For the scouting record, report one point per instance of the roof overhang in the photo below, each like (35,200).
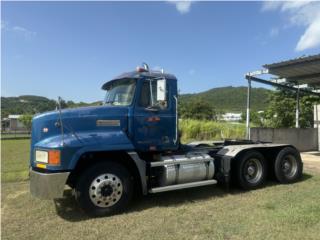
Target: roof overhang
(301,73)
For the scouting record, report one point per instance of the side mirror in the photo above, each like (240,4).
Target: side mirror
(161,90)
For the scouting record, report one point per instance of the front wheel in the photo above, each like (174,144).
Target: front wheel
(104,189)
(288,165)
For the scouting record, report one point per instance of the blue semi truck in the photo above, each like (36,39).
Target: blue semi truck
(130,146)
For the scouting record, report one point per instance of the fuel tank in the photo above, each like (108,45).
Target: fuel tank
(191,167)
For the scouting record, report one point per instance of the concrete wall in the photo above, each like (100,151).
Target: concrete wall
(302,139)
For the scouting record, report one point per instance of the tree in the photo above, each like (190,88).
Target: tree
(196,109)
(281,111)
(257,118)
(26,120)
(306,117)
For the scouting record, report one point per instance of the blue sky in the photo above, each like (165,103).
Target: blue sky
(70,49)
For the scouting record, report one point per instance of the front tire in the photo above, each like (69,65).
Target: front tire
(288,166)
(104,189)
(251,170)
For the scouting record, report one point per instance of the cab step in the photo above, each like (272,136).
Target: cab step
(182,186)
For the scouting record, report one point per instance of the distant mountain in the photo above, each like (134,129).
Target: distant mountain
(231,99)
(25,104)
(29,104)
(227,99)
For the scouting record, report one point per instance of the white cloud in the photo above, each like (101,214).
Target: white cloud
(24,32)
(182,6)
(283,5)
(271,5)
(292,5)
(18,30)
(311,37)
(300,13)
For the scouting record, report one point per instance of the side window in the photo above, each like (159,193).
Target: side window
(145,95)
(148,97)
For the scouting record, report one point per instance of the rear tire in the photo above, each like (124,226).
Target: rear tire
(251,170)
(104,189)
(288,166)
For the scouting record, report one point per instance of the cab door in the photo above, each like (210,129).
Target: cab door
(154,117)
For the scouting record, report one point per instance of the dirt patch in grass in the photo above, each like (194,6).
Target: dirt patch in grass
(311,161)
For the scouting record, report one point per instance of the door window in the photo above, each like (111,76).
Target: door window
(148,97)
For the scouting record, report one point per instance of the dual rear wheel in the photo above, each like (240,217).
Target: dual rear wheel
(252,168)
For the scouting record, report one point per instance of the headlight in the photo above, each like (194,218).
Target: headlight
(51,157)
(41,156)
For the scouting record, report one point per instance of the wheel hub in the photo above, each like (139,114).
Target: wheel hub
(253,170)
(289,166)
(105,190)
(286,165)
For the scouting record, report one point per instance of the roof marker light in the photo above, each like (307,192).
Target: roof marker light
(145,68)
(140,69)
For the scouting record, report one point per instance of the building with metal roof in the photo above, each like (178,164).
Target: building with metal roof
(12,124)
(299,71)
(301,75)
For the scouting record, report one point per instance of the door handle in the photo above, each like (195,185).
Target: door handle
(152,109)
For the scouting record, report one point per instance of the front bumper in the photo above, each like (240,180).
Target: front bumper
(47,185)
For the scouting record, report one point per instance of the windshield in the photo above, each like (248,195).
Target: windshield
(120,93)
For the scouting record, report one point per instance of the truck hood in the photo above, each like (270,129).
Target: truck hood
(79,120)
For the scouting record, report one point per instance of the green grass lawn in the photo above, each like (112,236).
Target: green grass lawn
(15,160)
(273,212)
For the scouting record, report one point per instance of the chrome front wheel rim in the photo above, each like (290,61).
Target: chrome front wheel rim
(106,190)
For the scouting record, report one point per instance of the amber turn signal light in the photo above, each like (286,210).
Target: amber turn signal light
(54,157)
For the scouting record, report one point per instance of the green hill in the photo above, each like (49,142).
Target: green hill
(29,104)
(225,99)
(230,99)
(25,104)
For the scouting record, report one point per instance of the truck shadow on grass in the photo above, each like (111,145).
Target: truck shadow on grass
(67,207)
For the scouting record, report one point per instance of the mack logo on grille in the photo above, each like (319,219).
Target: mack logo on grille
(108,123)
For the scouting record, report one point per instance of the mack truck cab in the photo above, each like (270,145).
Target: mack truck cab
(130,146)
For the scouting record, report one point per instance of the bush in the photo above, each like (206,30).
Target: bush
(27,121)
(209,130)
(196,109)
